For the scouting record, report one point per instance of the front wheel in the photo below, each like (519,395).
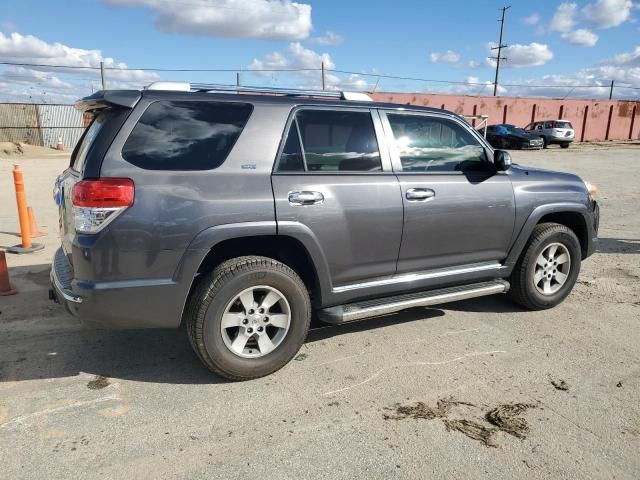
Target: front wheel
(547,269)
(249,317)
(564,145)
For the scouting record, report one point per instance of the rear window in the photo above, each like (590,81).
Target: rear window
(563,125)
(185,135)
(89,136)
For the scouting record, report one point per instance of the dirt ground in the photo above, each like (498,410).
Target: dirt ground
(475,389)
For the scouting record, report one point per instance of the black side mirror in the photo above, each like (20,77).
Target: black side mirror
(502,160)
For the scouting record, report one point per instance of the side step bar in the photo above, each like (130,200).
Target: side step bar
(382,306)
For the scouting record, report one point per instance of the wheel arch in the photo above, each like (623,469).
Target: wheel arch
(294,247)
(572,215)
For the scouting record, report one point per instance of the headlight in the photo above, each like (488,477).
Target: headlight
(592,189)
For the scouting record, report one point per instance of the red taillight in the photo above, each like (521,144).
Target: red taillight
(104,192)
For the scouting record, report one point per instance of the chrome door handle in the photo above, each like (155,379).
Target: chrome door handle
(305,198)
(420,194)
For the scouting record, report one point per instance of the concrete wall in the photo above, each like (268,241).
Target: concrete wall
(593,120)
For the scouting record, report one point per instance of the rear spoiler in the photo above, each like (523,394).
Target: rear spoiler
(109,98)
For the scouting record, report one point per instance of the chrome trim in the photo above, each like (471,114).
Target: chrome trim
(413,277)
(359,314)
(66,294)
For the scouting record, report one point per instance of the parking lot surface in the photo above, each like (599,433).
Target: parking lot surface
(473,389)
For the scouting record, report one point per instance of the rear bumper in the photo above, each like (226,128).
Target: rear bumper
(116,305)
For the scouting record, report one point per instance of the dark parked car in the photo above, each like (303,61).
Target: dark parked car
(239,215)
(509,136)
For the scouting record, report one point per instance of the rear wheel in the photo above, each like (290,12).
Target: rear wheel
(564,145)
(249,317)
(547,269)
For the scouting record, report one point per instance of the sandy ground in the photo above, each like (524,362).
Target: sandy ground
(475,389)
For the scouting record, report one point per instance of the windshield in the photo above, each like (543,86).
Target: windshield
(511,129)
(89,136)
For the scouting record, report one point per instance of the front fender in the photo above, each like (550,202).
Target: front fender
(534,218)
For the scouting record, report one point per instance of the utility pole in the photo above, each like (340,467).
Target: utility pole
(323,82)
(102,74)
(611,91)
(237,79)
(499,48)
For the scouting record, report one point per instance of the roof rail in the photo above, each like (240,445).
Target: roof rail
(298,92)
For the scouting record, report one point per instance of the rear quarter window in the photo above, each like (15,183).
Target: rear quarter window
(185,135)
(86,141)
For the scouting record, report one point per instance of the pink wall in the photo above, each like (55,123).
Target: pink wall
(590,118)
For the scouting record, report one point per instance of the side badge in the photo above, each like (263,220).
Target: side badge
(248,166)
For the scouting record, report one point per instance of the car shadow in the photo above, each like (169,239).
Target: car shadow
(38,340)
(618,245)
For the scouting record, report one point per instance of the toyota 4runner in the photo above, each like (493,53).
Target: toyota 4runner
(241,213)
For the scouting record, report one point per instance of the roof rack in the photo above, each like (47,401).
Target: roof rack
(293,92)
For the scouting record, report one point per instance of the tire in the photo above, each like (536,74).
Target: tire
(564,145)
(524,289)
(545,143)
(220,292)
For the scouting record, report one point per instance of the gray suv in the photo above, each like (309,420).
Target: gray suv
(241,214)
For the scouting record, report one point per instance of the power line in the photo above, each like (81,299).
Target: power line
(319,69)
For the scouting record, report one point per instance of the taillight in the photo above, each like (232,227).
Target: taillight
(99,201)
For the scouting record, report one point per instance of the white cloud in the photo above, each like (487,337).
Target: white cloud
(531,55)
(582,36)
(448,57)
(262,19)
(309,62)
(329,38)
(623,68)
(77,82)
(473,64)
(475,86)
(608,13)
(532,19)
(564,18)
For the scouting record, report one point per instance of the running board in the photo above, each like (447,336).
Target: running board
(382,306)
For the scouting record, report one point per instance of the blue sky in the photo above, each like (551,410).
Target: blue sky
(561,44)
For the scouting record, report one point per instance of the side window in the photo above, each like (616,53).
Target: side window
(332,141)
(185,135)
(291,159)
(539,126)
(548,124)
(433,144)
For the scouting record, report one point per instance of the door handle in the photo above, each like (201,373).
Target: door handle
(420,194)
(305,198)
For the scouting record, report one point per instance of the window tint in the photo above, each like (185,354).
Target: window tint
(563,125)
(291,157)
(337,141)
(432,144)
(548,124)
(185,135)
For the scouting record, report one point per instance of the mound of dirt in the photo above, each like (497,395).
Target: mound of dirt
(471,420)
(11,149)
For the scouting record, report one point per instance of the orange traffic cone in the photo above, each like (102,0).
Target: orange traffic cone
(5,285)
(33,225)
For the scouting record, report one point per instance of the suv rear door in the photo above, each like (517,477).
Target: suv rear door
(332,178)
(458,211)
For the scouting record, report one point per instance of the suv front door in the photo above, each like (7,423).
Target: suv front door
(332,180)
(459,212)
